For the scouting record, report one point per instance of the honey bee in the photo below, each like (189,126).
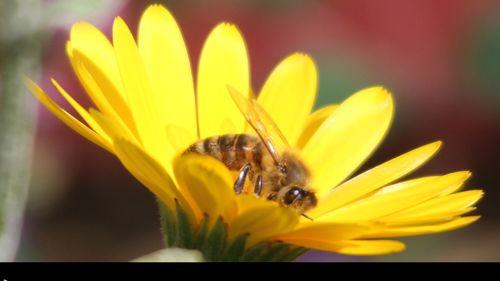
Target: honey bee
(265,159)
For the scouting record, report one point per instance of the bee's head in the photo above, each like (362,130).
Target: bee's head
(293,171)
(298,198)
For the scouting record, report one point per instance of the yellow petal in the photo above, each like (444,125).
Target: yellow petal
(167,63)
(262,219)
(151,174)
(67,118)
(209,183)
(423,229)
(313,122)
(374,178)
(289,94)
(325,231)
(444,205)
(179,138)
(348,137)
(350,247)
(371,247)
(91,43)
(407,194)
(101,90)
(87,81)
(140,95)
(83,113)
(223,62)
(113,129)
(401,186)
(247,203)
(424,220)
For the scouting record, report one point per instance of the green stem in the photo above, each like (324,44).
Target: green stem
(19,56)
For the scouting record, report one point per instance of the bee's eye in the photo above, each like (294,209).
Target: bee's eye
(293,194)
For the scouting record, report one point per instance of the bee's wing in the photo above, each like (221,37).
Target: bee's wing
(262,123)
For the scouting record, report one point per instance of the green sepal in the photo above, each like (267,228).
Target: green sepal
(275,250)
(212,241)
(254,253)
(202,232)
(168,225)
(293,253)
(236,249)
(272,251)
(184,233)
(214,245)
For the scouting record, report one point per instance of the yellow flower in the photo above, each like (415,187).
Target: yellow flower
(147,113)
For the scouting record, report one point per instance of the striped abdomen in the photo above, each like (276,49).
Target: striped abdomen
(233,150)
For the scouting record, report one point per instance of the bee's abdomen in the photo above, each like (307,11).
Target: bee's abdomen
(233,150)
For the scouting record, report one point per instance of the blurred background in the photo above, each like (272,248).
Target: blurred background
(441,60)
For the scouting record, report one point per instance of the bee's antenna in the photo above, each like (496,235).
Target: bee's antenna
(307,217)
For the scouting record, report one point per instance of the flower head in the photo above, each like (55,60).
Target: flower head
(147,113)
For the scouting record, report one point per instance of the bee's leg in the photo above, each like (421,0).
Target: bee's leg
(307,217)
(240,181)
(258,186)
(272,196)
